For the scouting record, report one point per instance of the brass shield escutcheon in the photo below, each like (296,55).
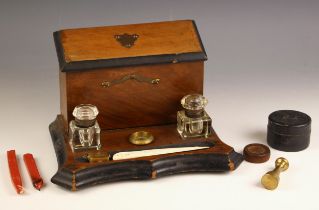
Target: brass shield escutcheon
(126,40)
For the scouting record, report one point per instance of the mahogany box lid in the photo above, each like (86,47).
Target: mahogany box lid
(128,45)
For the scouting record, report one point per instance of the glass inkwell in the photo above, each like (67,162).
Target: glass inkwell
(193,121)
(84,129)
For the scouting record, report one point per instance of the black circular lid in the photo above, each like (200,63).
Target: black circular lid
(290,118)
(289,130)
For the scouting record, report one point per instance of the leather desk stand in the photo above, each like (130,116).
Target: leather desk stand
(73,174)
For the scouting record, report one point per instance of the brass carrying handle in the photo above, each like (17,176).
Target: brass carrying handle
(106,84)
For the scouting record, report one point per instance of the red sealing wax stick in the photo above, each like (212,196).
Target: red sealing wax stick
(14,171)
(36,179)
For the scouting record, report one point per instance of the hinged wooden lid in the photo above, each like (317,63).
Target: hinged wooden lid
(126,45)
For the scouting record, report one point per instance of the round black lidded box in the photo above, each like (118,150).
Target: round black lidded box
(289,130)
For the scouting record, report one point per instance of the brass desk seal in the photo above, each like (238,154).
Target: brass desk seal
(271,179)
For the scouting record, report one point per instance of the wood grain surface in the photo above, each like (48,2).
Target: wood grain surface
(132,103)
(172,37)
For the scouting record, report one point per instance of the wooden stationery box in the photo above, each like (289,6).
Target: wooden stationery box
(135,74)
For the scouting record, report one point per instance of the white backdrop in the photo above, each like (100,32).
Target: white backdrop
(263,56)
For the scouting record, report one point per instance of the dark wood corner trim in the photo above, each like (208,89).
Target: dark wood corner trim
(59,49)
(64,178)
(131,61)
(57,132)
(199,39)
(236,159)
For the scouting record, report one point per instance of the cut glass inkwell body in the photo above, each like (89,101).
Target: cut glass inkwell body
(84,129)
(193,121)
